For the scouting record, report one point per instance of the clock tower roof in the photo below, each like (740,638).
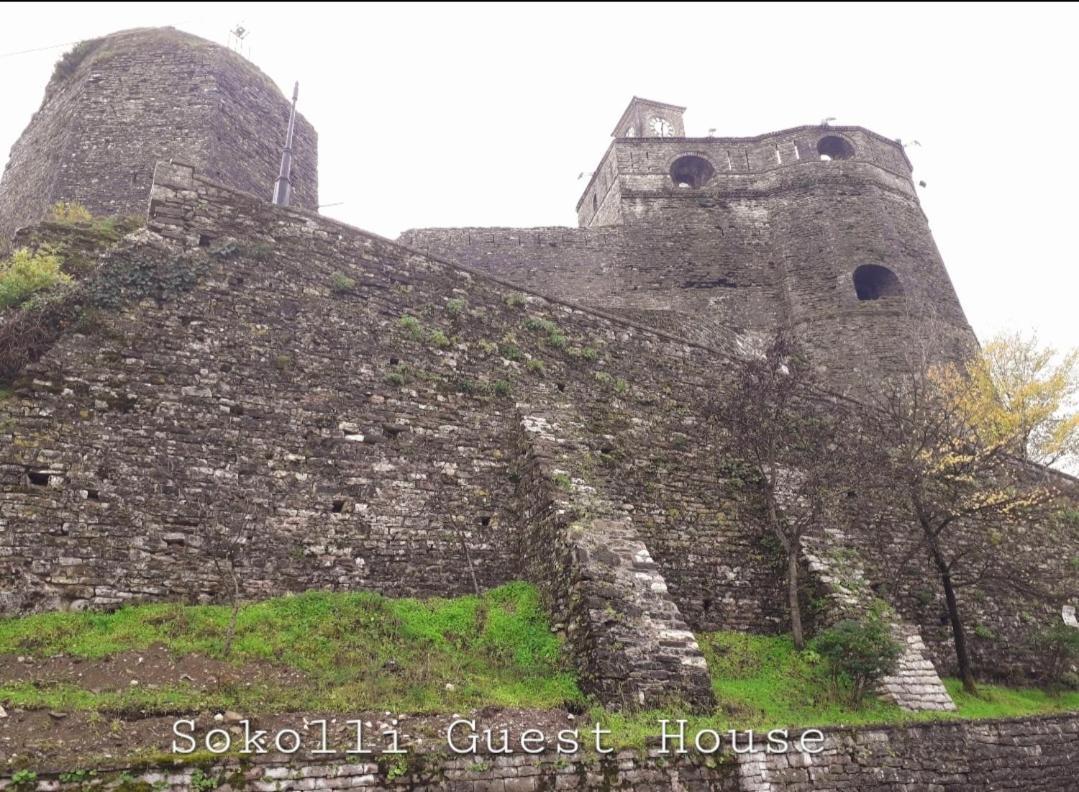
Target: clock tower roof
(638,108)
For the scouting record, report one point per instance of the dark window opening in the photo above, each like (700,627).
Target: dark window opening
(38,478)
(93,494)
(834,147)
(485,520)
(873,282)
(338,506)
(691,171)
(595,204)
(204,240)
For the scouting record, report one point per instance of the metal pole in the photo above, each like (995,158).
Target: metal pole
(282,189)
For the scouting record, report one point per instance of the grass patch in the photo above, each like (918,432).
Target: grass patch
(363,651)
(761,682)
(358,650)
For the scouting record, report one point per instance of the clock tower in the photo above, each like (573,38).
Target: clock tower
(645,118)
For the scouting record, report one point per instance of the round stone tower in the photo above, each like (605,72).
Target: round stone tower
(116,105)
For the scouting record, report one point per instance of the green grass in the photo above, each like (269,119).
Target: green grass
(357,650)
(362,651)
(761,682)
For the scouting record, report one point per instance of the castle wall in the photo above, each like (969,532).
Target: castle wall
(117,105)
(771,241)
(1036,754)
(250,388)
(358,452)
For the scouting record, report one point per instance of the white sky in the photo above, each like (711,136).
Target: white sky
(485,115)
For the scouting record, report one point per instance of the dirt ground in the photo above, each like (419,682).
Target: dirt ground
(50,740)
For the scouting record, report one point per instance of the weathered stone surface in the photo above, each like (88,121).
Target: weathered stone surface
(1036,755)
(118,104)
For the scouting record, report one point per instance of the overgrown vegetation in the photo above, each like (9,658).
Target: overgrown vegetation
(766,419)
(356,651)
(858,652)
(762,682)
(340,283)
(25,273)
(69,212)
(362,651)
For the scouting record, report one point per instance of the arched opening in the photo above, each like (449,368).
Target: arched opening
(874,282)
(691,171)
(833,147)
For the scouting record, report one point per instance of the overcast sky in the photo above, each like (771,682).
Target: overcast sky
(485,115)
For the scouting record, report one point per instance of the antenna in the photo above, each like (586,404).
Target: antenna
(282,189)
(237,35)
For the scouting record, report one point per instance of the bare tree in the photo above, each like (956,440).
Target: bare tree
(941,443)
(775,420)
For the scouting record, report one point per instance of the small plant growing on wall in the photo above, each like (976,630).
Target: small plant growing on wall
(341,283)
(69,212)
(25,273)
(23,779)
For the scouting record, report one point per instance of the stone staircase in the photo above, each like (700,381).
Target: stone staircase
(631,644)
(915,685)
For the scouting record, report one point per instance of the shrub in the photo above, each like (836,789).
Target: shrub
(455,306)
(502,388)
(341,283)
(439,339)
(861,651)
(23,779)
(535,365)
(24,273)
(515,299)
(1059,645)
(65,212)
(412,325)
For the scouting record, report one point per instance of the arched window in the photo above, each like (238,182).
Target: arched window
(874,282)
(833,147)
(691,171)
(595,203)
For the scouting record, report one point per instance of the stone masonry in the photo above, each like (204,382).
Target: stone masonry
(463,404)
(118,104)
(1033,755)
(365,428)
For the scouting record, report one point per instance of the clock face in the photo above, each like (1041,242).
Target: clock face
(661,127)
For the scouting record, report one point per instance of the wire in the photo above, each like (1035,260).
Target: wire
(36,49)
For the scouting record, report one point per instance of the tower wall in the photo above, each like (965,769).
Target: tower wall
(770,239)
(118,104)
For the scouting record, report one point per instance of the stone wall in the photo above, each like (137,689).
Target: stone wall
(117,105)
(632,645)
(349,409)
(771,241)
(1038,755)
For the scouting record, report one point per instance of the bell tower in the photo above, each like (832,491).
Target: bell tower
(645,118)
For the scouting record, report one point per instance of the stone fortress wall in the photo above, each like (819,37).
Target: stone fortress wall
(772,237)
(383,436)
(385,416)
(1036,755)
(118,104)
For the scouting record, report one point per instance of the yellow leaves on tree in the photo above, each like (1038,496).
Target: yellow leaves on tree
(1019,396)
